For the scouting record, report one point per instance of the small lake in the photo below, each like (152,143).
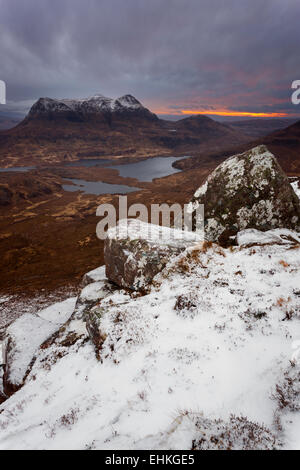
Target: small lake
(145,170)
(20,169)
(98,187)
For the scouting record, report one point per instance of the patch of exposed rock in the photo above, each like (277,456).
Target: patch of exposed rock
(249,190)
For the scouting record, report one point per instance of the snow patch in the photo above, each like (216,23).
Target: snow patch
(134,229)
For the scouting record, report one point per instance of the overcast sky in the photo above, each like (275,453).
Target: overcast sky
(173,55)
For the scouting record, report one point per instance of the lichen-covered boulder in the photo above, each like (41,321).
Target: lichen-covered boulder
(248,190)
(134,251)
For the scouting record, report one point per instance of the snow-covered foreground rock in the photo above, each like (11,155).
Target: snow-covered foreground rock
(208,359)
(25,336)
(135,251)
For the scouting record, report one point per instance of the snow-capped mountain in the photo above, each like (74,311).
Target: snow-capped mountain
(100,125)
(94,105)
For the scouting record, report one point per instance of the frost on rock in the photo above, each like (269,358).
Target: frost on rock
(24,337)
(95,275)
(296,187)
(96,286)
(135,251)
(248,190)
(276,236)
(90,295)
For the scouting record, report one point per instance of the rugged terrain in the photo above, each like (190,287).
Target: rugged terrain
(284,144)
(65,130)
(42,226)
(48,235)
(208,359)
(203,352)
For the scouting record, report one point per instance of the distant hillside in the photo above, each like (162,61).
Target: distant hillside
(64,130)
(284,144)
(8,123)
(261,127)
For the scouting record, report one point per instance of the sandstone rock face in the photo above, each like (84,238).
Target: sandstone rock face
(134,251)
(249,190)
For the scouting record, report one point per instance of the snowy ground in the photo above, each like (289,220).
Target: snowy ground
(213,339)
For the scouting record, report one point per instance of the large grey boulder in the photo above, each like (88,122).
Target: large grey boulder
(249,190)
(134,251)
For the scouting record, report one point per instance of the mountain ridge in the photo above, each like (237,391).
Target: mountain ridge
(63,130)
(86,107)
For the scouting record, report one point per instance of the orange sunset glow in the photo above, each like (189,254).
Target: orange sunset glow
(219,112)
(233,113)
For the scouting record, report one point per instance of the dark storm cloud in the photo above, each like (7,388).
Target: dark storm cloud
(171,54)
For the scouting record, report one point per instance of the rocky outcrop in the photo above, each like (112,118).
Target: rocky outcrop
(58,328)
(206,313)
(134,251)
(249,190)
(21,345)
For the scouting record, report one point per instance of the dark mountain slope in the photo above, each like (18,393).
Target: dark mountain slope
(59,130)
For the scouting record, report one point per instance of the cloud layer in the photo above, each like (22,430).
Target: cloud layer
(171,54)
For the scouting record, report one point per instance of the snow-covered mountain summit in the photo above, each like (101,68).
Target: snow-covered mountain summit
(97,104)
